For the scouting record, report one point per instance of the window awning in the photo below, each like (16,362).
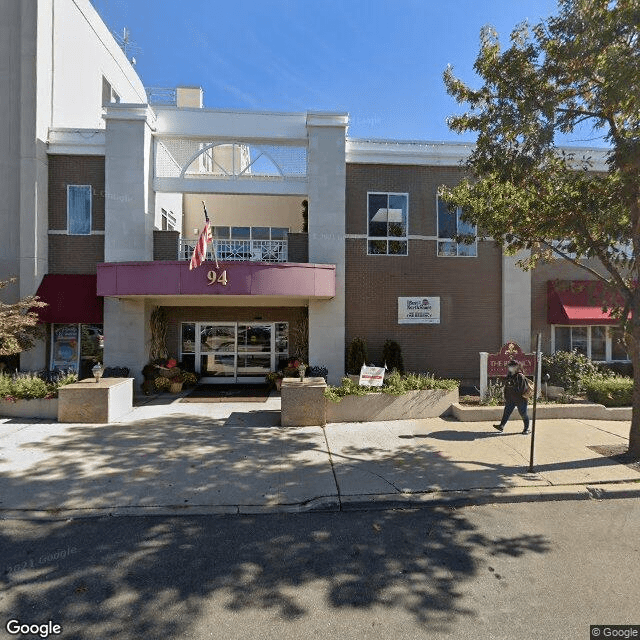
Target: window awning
(71,298)
(580,302)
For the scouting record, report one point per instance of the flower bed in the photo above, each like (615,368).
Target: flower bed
(28,395)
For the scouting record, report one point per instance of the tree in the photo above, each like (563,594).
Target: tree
(19,327)
(579,68)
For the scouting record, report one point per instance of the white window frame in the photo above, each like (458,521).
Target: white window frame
(608,340)
(170,219)
(85,186)
(439,239)
(404,238)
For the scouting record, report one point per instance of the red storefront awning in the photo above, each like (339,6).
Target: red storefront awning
(580,302)
(70,298)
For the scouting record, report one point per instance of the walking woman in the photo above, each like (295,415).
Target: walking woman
(516,392)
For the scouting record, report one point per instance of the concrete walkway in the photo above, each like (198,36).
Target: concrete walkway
(235,458)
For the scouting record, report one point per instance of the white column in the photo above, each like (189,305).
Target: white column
(35,359)
(126,335)
(516,301)
(129,205)
(326,191)
(484,380)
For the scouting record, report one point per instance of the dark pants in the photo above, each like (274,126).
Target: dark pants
(522,410)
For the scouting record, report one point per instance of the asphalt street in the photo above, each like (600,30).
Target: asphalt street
(524,570)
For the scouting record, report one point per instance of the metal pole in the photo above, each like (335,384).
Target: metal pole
(535,402)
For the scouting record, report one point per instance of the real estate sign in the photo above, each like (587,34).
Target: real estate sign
(419,310)
(371,376)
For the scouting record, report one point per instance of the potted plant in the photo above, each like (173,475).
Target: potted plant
(274,379)
(175,383)
(302,368)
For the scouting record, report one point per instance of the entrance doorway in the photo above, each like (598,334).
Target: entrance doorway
(234,352)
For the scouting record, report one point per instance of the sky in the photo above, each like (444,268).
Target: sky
(381,61)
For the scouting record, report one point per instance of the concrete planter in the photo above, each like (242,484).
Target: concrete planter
(98,403)
(372,407)
(543,412)
(44,408)
(304,404)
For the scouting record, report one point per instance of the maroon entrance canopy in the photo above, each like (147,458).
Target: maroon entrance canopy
(71,299)
(580,302)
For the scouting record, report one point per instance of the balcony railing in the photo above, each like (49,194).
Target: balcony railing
(239,250)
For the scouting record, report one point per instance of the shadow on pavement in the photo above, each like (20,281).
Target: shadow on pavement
(151,577)
(146,577)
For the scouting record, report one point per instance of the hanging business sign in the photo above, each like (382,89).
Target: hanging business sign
(419,310)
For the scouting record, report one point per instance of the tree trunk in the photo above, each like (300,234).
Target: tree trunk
(634,433)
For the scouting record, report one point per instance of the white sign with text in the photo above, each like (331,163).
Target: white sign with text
(371,376)
(419,310)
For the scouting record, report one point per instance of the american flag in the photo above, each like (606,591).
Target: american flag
(200,252)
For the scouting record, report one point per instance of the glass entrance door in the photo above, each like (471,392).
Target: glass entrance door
(216,355)
(227,352)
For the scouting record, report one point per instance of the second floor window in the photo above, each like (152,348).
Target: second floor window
(450,225)
(79,210)
(169,221)
(387,223)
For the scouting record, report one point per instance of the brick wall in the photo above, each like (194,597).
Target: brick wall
(165,245)
(75,254)
(470,305)
(298,247)
(470,289)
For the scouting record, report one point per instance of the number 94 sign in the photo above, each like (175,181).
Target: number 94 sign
(214,277)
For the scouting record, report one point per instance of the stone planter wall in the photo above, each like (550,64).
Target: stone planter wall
(412,405)
(303,404)
(45,409)
(543,412)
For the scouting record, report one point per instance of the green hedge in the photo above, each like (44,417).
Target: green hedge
(28,386)
(396,384)
(611,392)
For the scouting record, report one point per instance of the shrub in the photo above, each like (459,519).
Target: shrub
(494,394)
(318,372)
(568,369)
(392,356)
(611,392)
(356,355)
(624,369)
(189,378)
(28,386)
(396,384)
(162,384)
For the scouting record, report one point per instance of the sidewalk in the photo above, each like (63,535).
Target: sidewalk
(235,458)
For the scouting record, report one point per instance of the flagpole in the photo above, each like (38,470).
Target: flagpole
(213,244)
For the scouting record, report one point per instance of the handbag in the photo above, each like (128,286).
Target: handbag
(528,392)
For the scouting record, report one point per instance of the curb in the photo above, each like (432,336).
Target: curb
(468,497)
(356,502)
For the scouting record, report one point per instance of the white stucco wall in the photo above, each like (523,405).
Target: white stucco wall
(83,51)
(169,202)
(129,206)
(516,301)
(127,335)
(327,181)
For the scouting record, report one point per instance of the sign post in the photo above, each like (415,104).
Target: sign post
(535,398)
